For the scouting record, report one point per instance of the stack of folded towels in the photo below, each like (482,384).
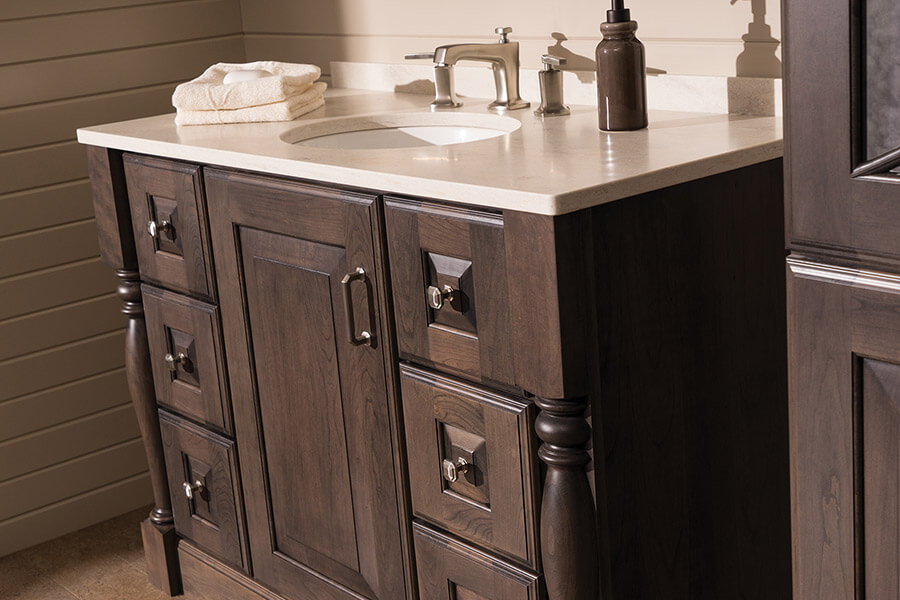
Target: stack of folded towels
(249,93)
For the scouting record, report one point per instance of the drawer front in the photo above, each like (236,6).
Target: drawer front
(202,471)
(187,357)
(434,249)
(451,570)
(491,498)
(167,213)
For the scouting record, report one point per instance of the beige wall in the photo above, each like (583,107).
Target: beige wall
(70,452)
(699,37)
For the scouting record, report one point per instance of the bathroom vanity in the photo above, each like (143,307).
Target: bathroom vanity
(549,364)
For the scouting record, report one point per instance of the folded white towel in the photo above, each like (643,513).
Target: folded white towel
(286,110)
(208,92)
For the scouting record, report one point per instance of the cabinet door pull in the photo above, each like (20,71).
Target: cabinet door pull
(364,337)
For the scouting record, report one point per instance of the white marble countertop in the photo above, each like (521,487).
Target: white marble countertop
(552,166)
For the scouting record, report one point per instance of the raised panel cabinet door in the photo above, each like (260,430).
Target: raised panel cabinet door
(844,357)
(451,301)
(305,352)
(842,140)
(169,223)
(451,570)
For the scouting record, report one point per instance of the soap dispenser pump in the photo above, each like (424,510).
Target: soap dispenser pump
(621,79)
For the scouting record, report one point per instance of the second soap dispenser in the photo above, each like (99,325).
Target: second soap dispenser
(621,79)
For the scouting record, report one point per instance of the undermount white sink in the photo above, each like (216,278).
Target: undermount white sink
(400,130)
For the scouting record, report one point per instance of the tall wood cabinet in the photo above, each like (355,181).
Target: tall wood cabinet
(843,197)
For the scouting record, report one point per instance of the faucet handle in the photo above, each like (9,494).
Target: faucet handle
(419,55)
(551,61)
(503,31)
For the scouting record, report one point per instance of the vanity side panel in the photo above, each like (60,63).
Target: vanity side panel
(691,414)
(548,304)
(111,211)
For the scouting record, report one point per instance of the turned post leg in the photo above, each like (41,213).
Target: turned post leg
(158,529)
(568,517)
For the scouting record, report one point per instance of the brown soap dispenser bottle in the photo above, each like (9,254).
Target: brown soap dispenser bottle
(621,79)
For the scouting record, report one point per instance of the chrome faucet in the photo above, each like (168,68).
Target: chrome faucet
(504,59)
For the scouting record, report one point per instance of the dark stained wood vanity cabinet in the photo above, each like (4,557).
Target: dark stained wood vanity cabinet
(842,175)
(352,394)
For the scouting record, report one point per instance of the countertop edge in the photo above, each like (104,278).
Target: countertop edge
(465,193)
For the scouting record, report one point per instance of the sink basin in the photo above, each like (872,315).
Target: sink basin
(400,130)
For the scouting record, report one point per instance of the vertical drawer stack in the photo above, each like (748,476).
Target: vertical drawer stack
(471,451)
(168,213)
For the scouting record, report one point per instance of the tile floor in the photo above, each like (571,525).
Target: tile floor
(103,562)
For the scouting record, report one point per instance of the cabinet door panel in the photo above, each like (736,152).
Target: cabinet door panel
(879,440)
(311,408)
(845,431)
(839,193)
(299,388)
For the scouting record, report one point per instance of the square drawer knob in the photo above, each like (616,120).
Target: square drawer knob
(155,229)
(173,360)
(452,470)
(193,489)
(436,296)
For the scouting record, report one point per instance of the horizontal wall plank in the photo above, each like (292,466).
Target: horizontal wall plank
(60,325)
(31,292)
(57,79)
(63,442)
(71,400)
(41,8)
(50,122)
(45,248)
(45,207)
(75,513)
(574,18)
(48,368)
(153,24)
(44,165)
(714,58)
(71,478)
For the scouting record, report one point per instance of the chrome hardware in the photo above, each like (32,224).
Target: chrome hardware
(551,87)
(192,489)
(444,96)
(173,360)
(504,34)
(364,337)
(452,470)
(154,229)
(419,55)
(549,61)
(504,58)
(437,296)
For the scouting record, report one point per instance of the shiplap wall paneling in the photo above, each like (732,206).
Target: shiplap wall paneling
(70,451)
(710,38)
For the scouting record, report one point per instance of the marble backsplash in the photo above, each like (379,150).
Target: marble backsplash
(757,96)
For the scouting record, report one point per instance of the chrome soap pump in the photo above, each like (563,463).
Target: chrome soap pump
(621,78)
